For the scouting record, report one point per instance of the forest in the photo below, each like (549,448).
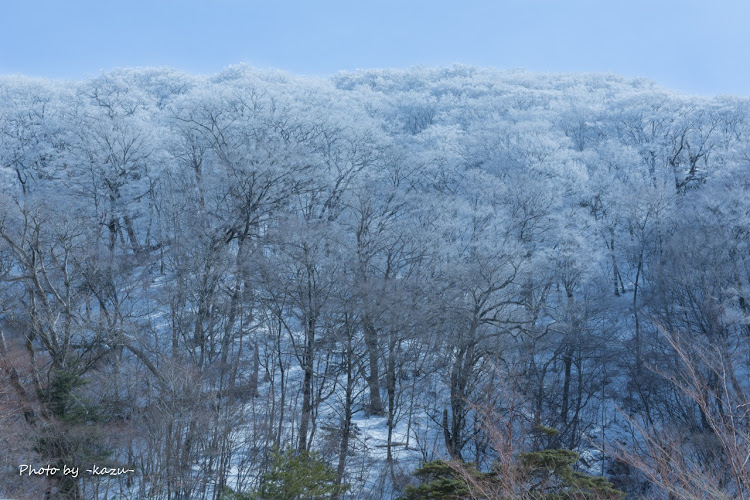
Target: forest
(454,283)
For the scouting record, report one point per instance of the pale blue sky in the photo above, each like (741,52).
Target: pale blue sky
(693,46)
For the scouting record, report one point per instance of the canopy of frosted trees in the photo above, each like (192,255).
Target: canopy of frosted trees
(383,268)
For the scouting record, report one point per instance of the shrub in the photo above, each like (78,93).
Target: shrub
(298,475)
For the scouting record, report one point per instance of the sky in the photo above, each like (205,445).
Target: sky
(697,47)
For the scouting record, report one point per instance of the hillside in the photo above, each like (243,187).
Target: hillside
(385,267)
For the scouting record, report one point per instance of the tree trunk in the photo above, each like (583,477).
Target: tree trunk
(564,407)
(391,387)
(373,377)
(307,385)
(346,423)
